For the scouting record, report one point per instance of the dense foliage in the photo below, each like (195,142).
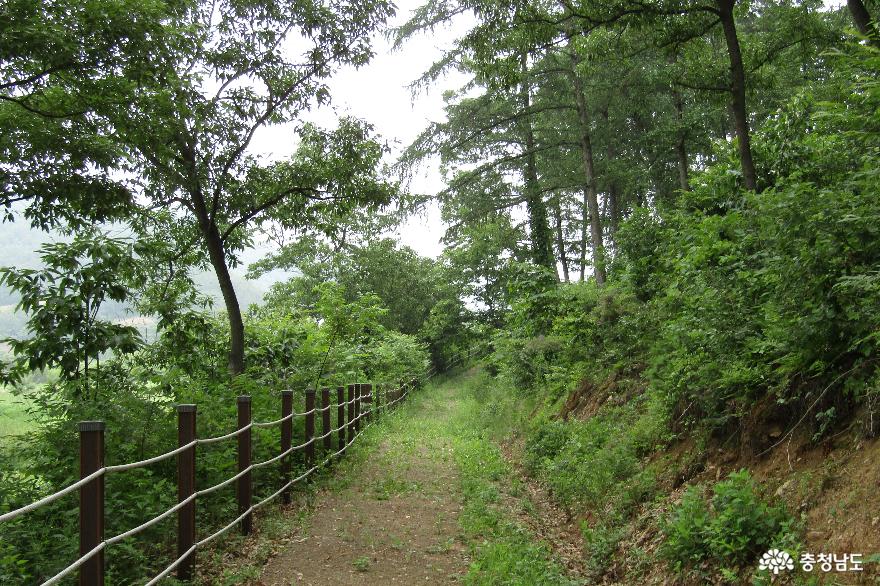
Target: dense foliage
(725,311)
(733,527)
(322,344)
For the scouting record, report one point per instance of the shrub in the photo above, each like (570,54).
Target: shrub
(290,346)
(545,443)
(731,528)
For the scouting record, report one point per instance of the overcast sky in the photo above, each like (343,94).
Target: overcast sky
(379,94)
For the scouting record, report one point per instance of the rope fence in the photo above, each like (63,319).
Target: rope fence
(361,404)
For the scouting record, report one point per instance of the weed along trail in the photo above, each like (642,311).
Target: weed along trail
(424,499)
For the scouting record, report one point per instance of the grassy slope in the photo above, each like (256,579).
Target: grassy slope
(505,551)
(14,418)
(619,472)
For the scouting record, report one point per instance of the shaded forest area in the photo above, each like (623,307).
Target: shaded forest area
(661,214)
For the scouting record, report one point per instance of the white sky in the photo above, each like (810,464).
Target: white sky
(379,94)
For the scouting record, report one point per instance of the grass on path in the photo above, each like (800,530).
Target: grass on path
(504,551)
(425,488)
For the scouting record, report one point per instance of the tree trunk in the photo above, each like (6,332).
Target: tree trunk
(560,241)
(613,193)
(683,165)
(738,92)
(542,240)
(217,256)
(863,21)
(613,211)
(589,172)
(230,299)
(585,210)
(681,145)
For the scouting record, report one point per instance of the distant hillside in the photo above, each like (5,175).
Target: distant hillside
(19,244)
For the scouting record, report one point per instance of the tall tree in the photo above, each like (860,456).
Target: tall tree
(738,92)
(189,110)
(542,247)
(864,21)
(590,196)
(60,64)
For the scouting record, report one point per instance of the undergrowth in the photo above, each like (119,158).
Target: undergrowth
(504,551)
(732,527)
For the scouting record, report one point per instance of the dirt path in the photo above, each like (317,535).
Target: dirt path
(391,517)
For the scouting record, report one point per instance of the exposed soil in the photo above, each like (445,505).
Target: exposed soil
(396,523)
(832,487)
(587,399)
(835,487)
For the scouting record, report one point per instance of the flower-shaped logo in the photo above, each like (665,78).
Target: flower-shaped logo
(776,560)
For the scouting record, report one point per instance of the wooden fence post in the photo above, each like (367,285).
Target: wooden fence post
(340,415)
(186,487)
(91,502)
(244,486)
(286,442)
(377,399)
(349,426)
(310,428)
(357,408)
(325,419)
(368,400)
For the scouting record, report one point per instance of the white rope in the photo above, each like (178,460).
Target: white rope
(214,536)
(286,417)
(302,445)
(153,460)
(256,506)
(220,438)
(123,467)
(52,497)
(397,399)
(173,565)
(327,434)
(276,422)
(273,460)
(153,521)
(274,495)
(54,579)
(226,482)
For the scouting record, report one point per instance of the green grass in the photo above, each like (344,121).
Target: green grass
(504,551)
(451,418)
(14,418)
(362,564)
(456,416)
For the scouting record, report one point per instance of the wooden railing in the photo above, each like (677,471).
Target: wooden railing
(355,407)
(353,416)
